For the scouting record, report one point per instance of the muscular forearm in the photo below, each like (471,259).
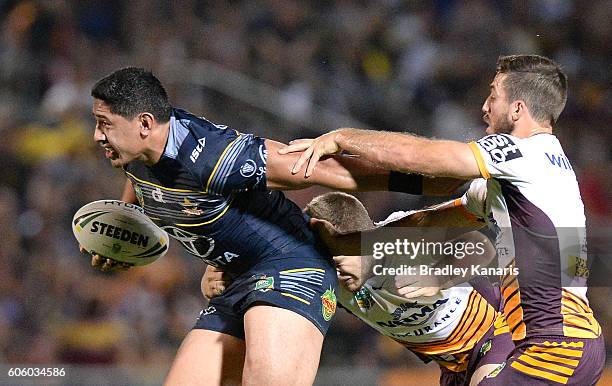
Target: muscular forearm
(408,153)
(340,172)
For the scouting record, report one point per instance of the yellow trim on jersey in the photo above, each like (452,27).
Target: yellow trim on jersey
(564,344)
(546,365)
(302,270)
(553,358)
(219,161)
(182,191)
(578,318)
(460,365)
(295,297)
(474,323)
(556,350)
(539,373)
(206,222)
(162,187)
(500,325)
(482,166)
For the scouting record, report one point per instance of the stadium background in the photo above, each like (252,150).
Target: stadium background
(281,69)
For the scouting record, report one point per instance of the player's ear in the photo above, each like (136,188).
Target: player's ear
(517,108)
(146,121)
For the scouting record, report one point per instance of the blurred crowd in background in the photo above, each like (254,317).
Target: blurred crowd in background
(416,66)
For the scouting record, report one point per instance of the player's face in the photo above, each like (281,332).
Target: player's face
(119,136)
(496,108)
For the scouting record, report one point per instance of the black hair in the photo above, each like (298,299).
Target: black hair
(131,91)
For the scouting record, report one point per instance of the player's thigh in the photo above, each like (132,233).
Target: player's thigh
(208,358)
(282,347)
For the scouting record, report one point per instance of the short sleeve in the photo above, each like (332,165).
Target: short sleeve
(474,199)
(241,166)
(221,159)
(496,154)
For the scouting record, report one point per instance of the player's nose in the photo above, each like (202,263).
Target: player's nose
(99,135)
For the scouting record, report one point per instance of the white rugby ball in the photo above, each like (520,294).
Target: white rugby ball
(119,230)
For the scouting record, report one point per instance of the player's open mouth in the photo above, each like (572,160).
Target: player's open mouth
(110,153)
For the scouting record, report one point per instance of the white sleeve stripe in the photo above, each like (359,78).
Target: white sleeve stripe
(227,163)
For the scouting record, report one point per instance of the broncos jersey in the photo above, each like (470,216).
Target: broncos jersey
(444,327)
(530,196)
(208,191)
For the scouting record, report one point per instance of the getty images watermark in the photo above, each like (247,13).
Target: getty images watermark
(424,257)
(549,257)
(436,258)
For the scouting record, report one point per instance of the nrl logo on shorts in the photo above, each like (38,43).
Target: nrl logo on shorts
(363,298)
(485,348)
(497,370)
(328,304)
(265,284)
(190,208)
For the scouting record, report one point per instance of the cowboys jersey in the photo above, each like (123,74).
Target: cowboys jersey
(208,191)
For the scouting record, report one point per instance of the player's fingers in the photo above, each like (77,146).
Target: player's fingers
(215,275)
(220,288)
(312,162)
(302,160)
(108,265)
(123,266)
(295,146)
(403,291)
(97,261)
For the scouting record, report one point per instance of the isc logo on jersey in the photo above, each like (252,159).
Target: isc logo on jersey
(501,148)
(195,153)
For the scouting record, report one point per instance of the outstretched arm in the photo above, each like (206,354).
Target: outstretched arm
(350,173)
(388,150)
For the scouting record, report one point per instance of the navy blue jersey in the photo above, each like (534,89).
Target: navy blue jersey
(208,191)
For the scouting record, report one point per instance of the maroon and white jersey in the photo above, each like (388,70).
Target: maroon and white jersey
(529,194)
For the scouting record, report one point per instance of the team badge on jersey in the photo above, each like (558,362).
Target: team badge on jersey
(501,148)
(264,284)
(328,304)
(191,208)
(248,169)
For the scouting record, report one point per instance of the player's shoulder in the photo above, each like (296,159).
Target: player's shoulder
(501,147)
(192,137)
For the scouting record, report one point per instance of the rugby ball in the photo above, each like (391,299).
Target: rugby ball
(119,230)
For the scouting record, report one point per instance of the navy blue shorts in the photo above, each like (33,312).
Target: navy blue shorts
(305,286)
